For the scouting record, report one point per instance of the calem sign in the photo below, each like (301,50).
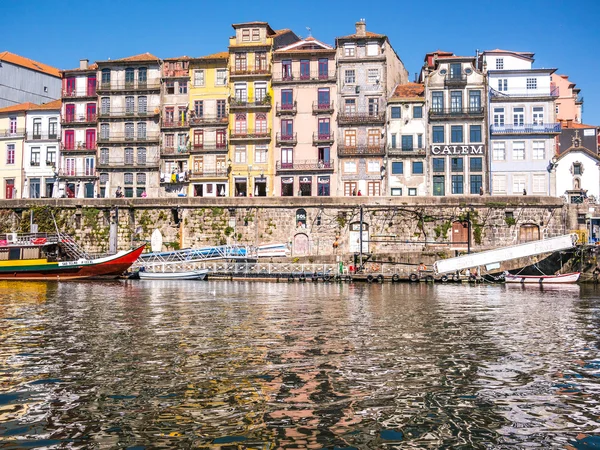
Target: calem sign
(457,149)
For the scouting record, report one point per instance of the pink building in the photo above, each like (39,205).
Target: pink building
(304,86)
(569,104)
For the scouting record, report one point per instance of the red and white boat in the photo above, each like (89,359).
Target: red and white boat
(564,278)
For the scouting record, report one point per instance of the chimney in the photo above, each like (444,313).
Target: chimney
(361,28)
(83,64)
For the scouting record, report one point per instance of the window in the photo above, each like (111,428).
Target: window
(577,169)
(304,69)
(539,150)
(531,83)
(394,144)
(372,49)
(518,184)
(323,75)
(455,70)
(456,133)
(438,134)
(407,143)
(417,168)
(498,151)
(128,178)
(286,69)
(141,155)
(35,156)
(129,156)
(129,76)
(373,106)
(323,186)
(412,192)
(241,94)
(10,153)
(349,50)
(499,63)
(170,87)
(129,104)
(324,128)
(396,192)
(260,62)
(372,76)
(260,91)
(240,154)
(476,183)
(221,77)
(456,101)
(419,141)
(105,105)
(323,98)
(246,35)
(255,34)
(240,123)
(260,154)
(457,184)
(538,115)
(13,124)
(199,108)
(373,166)
(499,117)
(503,84)
(350,167)
(104,131)
(261,125)
(105,76)
(37,128)
(142,75)
(104,156)
(350,105)
(373,138)
(439,185)
(396,112)
(374,188)
(538,183)
(141,130)
(474,101)
(287,158)
(437,101)
(417,112)
(397,167)
(439,164)
(475,133)
(52,128)
(51,155)
(350,76)
(183,87)
(221,112)
(518,151)
(456,164)
(142,105)
(518,117)
(499,184)
(141,179)
(476,164)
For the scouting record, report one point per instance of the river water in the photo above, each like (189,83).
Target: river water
(252,365)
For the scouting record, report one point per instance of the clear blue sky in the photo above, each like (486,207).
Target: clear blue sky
(562,34)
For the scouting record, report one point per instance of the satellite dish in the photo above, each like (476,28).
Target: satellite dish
(156,241)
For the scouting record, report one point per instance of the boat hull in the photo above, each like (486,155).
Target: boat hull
(43,270)
(567,278)
(191,275)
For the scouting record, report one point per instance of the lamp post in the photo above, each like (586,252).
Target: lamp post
(249,193)
(229,183)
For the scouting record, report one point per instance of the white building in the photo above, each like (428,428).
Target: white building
(42,124)
(577,173)
(405,166)
(522,123)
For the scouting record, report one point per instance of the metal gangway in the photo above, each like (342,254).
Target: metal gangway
(192,256)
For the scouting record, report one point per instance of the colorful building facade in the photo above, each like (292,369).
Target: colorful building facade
(12,142)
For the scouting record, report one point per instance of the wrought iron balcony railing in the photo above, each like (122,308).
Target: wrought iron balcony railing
(72,119)
(455,80)
(306,165)
(360,150)
(87,147)
(209,174)
(43,136)
(458,113)
(282,109)
(175,124)
(176,73)
(323,138)
(109,113)
(128,86)
(250,134)
(322,108)
(250,70)
(304,77)
(77,173)
(126,137)
(358,118)
(527,128)
(128,162)
(287,139)
(209,120)
(87,93)
(175,151)
(209,147)
(13,134)
(399,151)
(242,103)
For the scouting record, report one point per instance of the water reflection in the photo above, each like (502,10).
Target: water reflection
(266,365)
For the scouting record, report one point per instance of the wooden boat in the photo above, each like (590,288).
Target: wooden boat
(56,256)
(565,278)
(199,274)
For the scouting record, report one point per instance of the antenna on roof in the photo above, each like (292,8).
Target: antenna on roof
(309,31)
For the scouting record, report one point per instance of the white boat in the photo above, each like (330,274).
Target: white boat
(199,274)
(565,278)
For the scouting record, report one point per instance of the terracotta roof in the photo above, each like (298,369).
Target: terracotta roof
(409,90)
(569,124)
(178,58)
(93,66)
(56,104)
(367,34)
(499,50)
(135,58)
(29,63)
(282,31)
(297,46)
(18,108)
(219,55)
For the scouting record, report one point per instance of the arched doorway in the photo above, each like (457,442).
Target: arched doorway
(529,232)
(354,242)
(301,246)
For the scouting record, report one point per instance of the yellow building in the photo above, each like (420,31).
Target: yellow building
(209,90)
(12,139)
(250,107)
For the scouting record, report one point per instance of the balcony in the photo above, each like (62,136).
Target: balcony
(286,109)
(182,151)
(127,113)
(72,173)
(116,138)
(397,151)
(209,120)
(194,176)
(88,93)
(106,87)
(90,147)
(209,148)
(176,73)
(244,135)
(361,118)
(309,165)
(455,80)
(518,95)
(322,108)
(175,124)
(42,137)
(286,140)
(297,77)
(456,113)
(12,134)
(264,70)
(361,150)
(119,163)
(83,119)
(527,128)
(240,103)
(323,138)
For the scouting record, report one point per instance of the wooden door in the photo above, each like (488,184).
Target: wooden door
(460,234)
